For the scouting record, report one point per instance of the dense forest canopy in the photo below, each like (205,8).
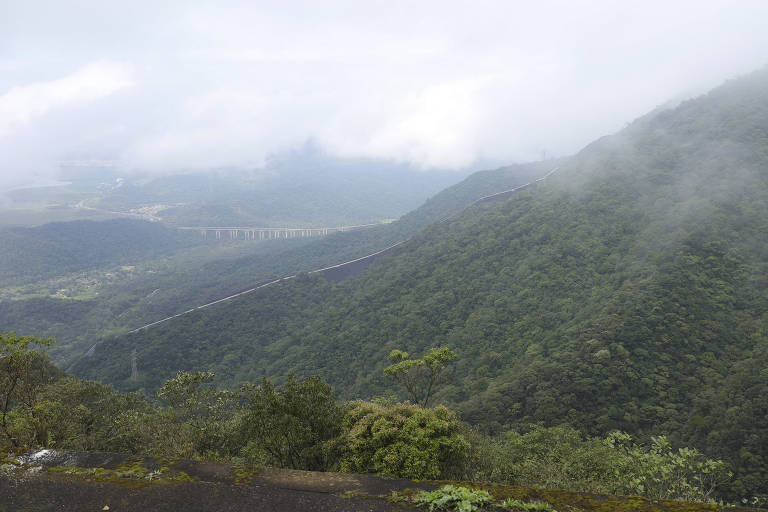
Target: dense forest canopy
(57,248)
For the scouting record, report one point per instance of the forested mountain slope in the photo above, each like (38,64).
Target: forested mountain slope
(171,284)
(628,291)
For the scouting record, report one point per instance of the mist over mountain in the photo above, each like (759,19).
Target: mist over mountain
(300,188)
(624,292)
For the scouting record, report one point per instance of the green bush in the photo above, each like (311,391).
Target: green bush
(290,429)
(550,457)
(450,497)
(658,471)
(202,412)
(564,458)
(403,441)
(83,415)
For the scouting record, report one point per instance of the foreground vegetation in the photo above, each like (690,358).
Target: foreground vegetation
(303,426)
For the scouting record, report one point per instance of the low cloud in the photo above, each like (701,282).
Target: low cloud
(187,86)
(21,105)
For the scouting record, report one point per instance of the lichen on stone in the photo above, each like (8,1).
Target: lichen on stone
(244,474)
(132,473)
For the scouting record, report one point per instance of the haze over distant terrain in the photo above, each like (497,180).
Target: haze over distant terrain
(188,86)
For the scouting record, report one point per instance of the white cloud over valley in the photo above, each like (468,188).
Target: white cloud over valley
(22,104)
(187,85)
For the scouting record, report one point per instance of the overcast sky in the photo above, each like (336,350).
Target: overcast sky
(170,86)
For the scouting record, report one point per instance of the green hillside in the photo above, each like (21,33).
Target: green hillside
(165,282)
(625,292)
(59,247)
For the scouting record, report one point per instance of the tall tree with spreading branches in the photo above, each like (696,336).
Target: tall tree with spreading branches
(419,376)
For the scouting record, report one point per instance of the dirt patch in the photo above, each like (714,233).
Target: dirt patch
(311,481)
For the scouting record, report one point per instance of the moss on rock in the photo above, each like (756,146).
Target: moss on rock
(132,473)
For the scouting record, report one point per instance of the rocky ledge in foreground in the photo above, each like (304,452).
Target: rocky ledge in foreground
(50,480)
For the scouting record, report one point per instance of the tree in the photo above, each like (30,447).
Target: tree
(85,415)
(200,409)
(419,376)
(23,372)
(292,429)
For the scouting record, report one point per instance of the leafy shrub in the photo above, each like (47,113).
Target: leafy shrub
(403,441)
(293,428)
(450,497)
(563,458)
(660,472)
(550,457)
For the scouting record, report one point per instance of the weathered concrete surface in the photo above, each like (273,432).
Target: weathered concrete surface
(40,485)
